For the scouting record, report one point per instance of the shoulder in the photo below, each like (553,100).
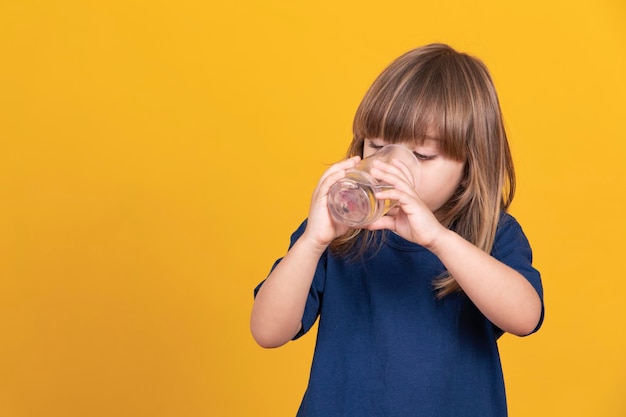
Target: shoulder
(510,237)
(508,226)
(507,223)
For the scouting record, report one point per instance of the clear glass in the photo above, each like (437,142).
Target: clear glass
(351,200)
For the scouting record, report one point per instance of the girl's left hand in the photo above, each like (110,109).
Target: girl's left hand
(413,220)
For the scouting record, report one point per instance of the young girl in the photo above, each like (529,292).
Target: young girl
(410,308)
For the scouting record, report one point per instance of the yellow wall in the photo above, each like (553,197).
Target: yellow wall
(155,157)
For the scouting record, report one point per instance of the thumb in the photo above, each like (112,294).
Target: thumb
(384,223)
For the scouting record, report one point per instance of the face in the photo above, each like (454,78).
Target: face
(440,175)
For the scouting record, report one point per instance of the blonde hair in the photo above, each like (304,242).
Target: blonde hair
(437,90)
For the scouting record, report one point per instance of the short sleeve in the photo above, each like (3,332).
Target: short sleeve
(314,298)
(512,248)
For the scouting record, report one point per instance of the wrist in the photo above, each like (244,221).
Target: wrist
(438,243)
(312,244)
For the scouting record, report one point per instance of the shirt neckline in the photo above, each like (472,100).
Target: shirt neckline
(398,242)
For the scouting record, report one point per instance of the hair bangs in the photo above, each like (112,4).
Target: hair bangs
(412,110)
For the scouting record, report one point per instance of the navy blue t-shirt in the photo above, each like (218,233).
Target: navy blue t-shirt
(386,346)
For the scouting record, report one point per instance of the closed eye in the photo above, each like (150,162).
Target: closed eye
(419,156)
(372,145)
(423,157)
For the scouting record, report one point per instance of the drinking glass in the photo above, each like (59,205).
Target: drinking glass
(351,200)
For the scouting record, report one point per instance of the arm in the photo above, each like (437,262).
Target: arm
(279,305)
(501,293)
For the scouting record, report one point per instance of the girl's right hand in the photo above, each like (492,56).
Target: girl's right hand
(321,229)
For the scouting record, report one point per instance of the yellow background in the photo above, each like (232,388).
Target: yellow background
(155,157)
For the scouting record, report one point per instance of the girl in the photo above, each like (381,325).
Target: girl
(410,308)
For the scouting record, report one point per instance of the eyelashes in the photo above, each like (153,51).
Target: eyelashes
(424,157)
(419,156)
(374,146)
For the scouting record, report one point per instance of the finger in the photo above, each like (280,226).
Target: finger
(384,223)
(394,177)
(332,175)
(401,170)
(340,167)
(395,194)
(398,168)
(408,201)
(405,170)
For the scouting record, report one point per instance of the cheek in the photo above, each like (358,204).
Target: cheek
(433,193)
(436,188)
